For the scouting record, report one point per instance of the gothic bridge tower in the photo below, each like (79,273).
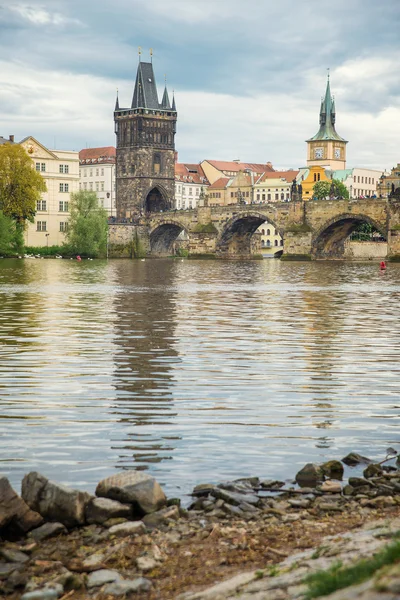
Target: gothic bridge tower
(145,162)
(327,148)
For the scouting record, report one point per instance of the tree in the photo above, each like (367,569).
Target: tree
(20,185)
(87,226)
(11,237)
(321,189)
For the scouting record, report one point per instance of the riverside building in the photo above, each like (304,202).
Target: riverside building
(60,170)
(97,174)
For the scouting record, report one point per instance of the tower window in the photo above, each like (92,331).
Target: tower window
(157,164)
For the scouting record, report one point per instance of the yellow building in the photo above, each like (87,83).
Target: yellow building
(60,170)
(327,149)
(310,177)
(216,193)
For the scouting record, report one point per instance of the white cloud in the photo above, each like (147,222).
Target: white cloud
(40,16)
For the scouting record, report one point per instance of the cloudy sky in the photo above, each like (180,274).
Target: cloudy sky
(248,74)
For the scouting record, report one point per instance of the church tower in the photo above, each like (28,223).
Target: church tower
(145,161)
(327,148)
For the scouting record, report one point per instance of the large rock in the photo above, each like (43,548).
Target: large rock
(54,501)
(352,459)
(309,475)
(333,469)
(133,487)
(162,516)
(16,518)
(100,510)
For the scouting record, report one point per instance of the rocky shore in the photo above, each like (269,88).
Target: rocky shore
(129,540)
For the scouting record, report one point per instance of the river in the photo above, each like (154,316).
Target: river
(198,371)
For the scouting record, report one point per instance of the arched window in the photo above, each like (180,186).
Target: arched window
(319,176)
(276,242)
(268,232)
(262,243)
(315,177)
(268,244)
(263,231)
(281,242)
(282,196)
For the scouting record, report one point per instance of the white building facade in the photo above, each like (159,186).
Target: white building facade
(361,183)
(97,174)
(60,170)
(190,182)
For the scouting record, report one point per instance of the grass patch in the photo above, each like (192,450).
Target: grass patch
(259,574)
(299,228)
(339,577)
(205,228)
(296,257)
(395,228)
(47,251)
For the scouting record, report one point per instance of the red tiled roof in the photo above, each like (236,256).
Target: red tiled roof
(104,154)
(288,175)
(220,183)
(222,165)
(190,173)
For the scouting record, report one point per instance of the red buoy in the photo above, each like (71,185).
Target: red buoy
(383,265)
(79,258)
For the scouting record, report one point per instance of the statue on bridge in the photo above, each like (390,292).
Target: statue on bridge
(395,193)
(293,191)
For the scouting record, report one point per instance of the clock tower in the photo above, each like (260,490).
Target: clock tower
(327,148)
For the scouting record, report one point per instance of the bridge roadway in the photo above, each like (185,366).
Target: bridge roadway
(311,229)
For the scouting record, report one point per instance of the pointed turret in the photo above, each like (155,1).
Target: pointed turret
(116,103)
(145,93)
(327,118)
(173,102)
(165,100)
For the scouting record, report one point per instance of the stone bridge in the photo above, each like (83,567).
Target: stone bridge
(314,229)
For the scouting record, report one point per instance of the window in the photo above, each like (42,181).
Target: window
(263,231)
(362,179)
(263,197)
(157,164)
(268,196)
(102,186)
(319,176)
(43,167)
(41,225)
(276,242)
(268,232)
(268,244)
(276,196)
(64,168)
(190,192)
(281,242)
(258,197)
(85,173)
(41,205)
(85,186)
(63,226)
(64,187)
(315,177)
(63,206)
(231,194)
(102,172)
(37,166)
(373,181)
(97,186)
(97,172)
(90,172)
(262,243)
(91,186)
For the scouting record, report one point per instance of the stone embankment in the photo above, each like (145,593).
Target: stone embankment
(129,540)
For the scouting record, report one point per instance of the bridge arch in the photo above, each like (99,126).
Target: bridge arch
(235,238)
(328,241)
(163,235)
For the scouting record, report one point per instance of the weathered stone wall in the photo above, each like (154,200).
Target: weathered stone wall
(132,189)
(321,213)
(127,240)
(394,229)
(365,250)
(297,244)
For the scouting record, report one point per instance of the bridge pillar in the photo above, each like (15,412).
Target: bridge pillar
(393,238)
(126,240)
(297,243)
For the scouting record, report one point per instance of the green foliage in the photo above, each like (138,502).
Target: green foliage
(20,185)
(87,227)
(337,577)
(205,228)
(299,257)
(11,236)
(182,253)
(46,251)
(321,189)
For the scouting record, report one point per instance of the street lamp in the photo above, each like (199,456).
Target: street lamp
(47,236)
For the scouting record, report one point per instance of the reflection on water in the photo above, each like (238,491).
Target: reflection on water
(196,371)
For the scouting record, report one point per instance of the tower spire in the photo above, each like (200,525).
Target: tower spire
(117,102)
(173,101)
(165,99)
